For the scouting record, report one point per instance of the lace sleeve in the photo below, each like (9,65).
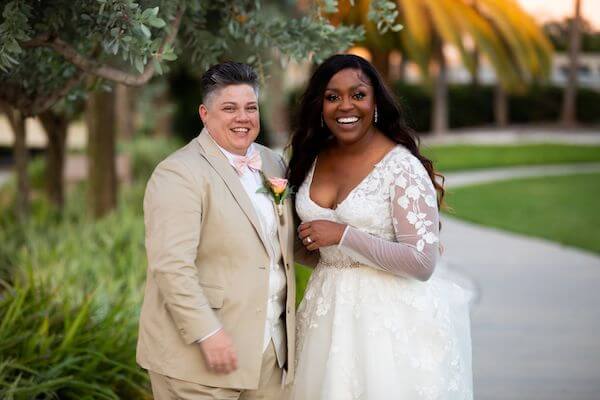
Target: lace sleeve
(415,220)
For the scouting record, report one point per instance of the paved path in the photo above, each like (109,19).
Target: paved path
(473,177)
(535,319)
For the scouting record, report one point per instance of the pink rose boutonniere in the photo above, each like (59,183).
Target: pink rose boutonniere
(278,189)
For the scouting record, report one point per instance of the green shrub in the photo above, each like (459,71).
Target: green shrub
(539,103)
(54,347)
(71,289)
(415,104)
(70,302)
(146,153)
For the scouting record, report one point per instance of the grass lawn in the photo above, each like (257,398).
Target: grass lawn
(563,209)
(302,276)
(457,157)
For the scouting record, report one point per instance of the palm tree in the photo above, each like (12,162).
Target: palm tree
(499,29)
(569,116)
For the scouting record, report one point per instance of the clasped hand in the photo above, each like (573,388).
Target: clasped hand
(320,233)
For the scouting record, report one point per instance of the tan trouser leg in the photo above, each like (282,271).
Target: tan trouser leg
(165,388)
(269,386)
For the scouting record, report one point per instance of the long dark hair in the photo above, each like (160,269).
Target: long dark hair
(310,137)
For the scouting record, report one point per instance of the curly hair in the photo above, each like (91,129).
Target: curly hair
(310,137)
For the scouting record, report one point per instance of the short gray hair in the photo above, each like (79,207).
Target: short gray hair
(228,73)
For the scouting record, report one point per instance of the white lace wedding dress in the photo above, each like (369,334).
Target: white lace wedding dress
(371,326)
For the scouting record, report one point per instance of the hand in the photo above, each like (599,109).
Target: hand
(320,233)
(219,353)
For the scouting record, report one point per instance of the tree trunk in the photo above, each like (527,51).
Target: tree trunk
(163,124)
(381,61)
(21,156)
(500,106)
(475,78)
(569,111)
(125,111)
(55,126)
(402,68)
(102,176)
(439,115)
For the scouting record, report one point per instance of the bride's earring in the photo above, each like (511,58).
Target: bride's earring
(376,116)
(322,122)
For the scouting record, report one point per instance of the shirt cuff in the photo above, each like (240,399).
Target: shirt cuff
(209,335)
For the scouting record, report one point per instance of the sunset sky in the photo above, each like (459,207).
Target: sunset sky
(544,10)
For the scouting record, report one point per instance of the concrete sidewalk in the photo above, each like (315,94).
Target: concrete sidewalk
(535,318)
(474,177)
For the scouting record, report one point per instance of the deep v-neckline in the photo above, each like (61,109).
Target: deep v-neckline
(337,207)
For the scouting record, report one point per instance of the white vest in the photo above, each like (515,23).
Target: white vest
(263,205)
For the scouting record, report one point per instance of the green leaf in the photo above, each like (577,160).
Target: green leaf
(150,12)
(169,56)
(77,325)
(139,64)
(114,48)
(145,30)
(157,66)
(156,22)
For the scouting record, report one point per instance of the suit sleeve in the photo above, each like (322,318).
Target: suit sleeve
(173,219)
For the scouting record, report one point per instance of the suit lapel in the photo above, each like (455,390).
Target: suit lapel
(270,170)
(220,163)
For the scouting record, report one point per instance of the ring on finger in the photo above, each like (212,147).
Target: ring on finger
(308,240)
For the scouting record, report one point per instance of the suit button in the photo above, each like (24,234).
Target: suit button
(258,310)
(287,266)
(288,311)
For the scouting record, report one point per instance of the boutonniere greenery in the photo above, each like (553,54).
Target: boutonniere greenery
(278,189)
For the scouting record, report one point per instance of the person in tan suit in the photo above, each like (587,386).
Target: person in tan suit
(217,321)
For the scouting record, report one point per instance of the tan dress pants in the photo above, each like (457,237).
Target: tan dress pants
(269,386)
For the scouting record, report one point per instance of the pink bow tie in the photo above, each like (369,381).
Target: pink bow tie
(253,162)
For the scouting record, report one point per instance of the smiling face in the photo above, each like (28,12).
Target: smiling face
(231,117)
(348,106)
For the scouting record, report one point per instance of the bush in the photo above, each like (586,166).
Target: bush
(55,347)
(146,153)
(540,103)
(70,291)
(70,300)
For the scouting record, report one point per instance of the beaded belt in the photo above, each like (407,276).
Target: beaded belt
(353,264)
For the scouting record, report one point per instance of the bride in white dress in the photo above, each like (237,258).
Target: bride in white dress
(376,323)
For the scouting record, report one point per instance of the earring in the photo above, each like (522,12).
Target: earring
(376,116)
(322,122)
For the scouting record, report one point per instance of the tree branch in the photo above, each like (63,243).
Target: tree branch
(101,70)
(14,96)
(42,104)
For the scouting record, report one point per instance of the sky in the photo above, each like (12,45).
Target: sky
(544,10)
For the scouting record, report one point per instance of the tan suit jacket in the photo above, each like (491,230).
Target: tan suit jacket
(208,266)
